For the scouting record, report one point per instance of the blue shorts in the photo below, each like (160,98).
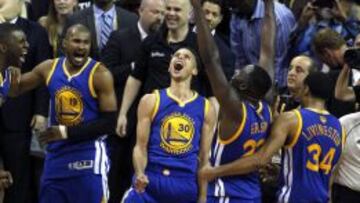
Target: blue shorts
(81,189)
(165,189)
(231,200)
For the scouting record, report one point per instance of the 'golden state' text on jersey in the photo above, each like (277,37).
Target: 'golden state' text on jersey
(308,159)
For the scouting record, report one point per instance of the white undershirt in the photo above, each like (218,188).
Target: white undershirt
(349,165)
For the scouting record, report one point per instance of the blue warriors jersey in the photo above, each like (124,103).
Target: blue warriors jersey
(308,159)
(250,135)
(74,102)
(176,127)
(4,85)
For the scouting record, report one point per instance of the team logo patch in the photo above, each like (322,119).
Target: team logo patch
(177,133)
(69,106)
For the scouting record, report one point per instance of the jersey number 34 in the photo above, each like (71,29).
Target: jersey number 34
(314,164)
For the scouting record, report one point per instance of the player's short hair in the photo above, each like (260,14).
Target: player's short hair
(78,27)
(259,81)
(319,84)
(5,31)
(195,53)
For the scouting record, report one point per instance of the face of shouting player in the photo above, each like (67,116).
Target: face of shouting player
(17,48)
(183,65)
(77,48)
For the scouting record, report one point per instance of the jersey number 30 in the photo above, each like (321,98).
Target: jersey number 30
(325,164)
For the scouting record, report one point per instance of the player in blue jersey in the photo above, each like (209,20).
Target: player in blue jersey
(174,134)
(82,112)
(244,116)
(13,48)
(312,141)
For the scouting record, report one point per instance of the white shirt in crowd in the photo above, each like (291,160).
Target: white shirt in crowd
(348,173)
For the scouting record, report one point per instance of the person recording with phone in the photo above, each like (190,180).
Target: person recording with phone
(330,48)
(343,91)
(319,14)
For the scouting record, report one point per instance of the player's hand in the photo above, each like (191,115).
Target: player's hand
(141,182)
(38,122)
(51,134)
(307,13)
(6,179)
(207,173)
(269,174)
(15,75)
(338,11)
(121,125)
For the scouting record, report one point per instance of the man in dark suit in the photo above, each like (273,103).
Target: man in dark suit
(18,115)
(101,19)
(119,55)
(213,14)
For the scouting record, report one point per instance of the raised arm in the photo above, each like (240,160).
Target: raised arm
(285,125)
(267,48)
(210,57)
(342,90)
(32,79)
(268,35)
(140,155)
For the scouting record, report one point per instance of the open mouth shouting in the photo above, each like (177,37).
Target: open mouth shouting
(23,55)
(79,58)
(178,66)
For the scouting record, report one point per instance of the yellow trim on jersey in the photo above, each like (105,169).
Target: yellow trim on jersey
(343,137)
(1,79)
(52,71)
(270,113)
(91,80)
(298,130)
(206,108)
(180,103)
(239,130)
(69,76)
(157,104)
(260,108)
(324,112)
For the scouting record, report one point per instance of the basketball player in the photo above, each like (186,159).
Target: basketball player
(174,129)
(82,112)
(312,142)
(13,48)
(244,116)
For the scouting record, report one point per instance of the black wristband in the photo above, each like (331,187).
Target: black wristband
(104,125)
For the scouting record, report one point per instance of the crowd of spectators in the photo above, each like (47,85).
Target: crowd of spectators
(136,39)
